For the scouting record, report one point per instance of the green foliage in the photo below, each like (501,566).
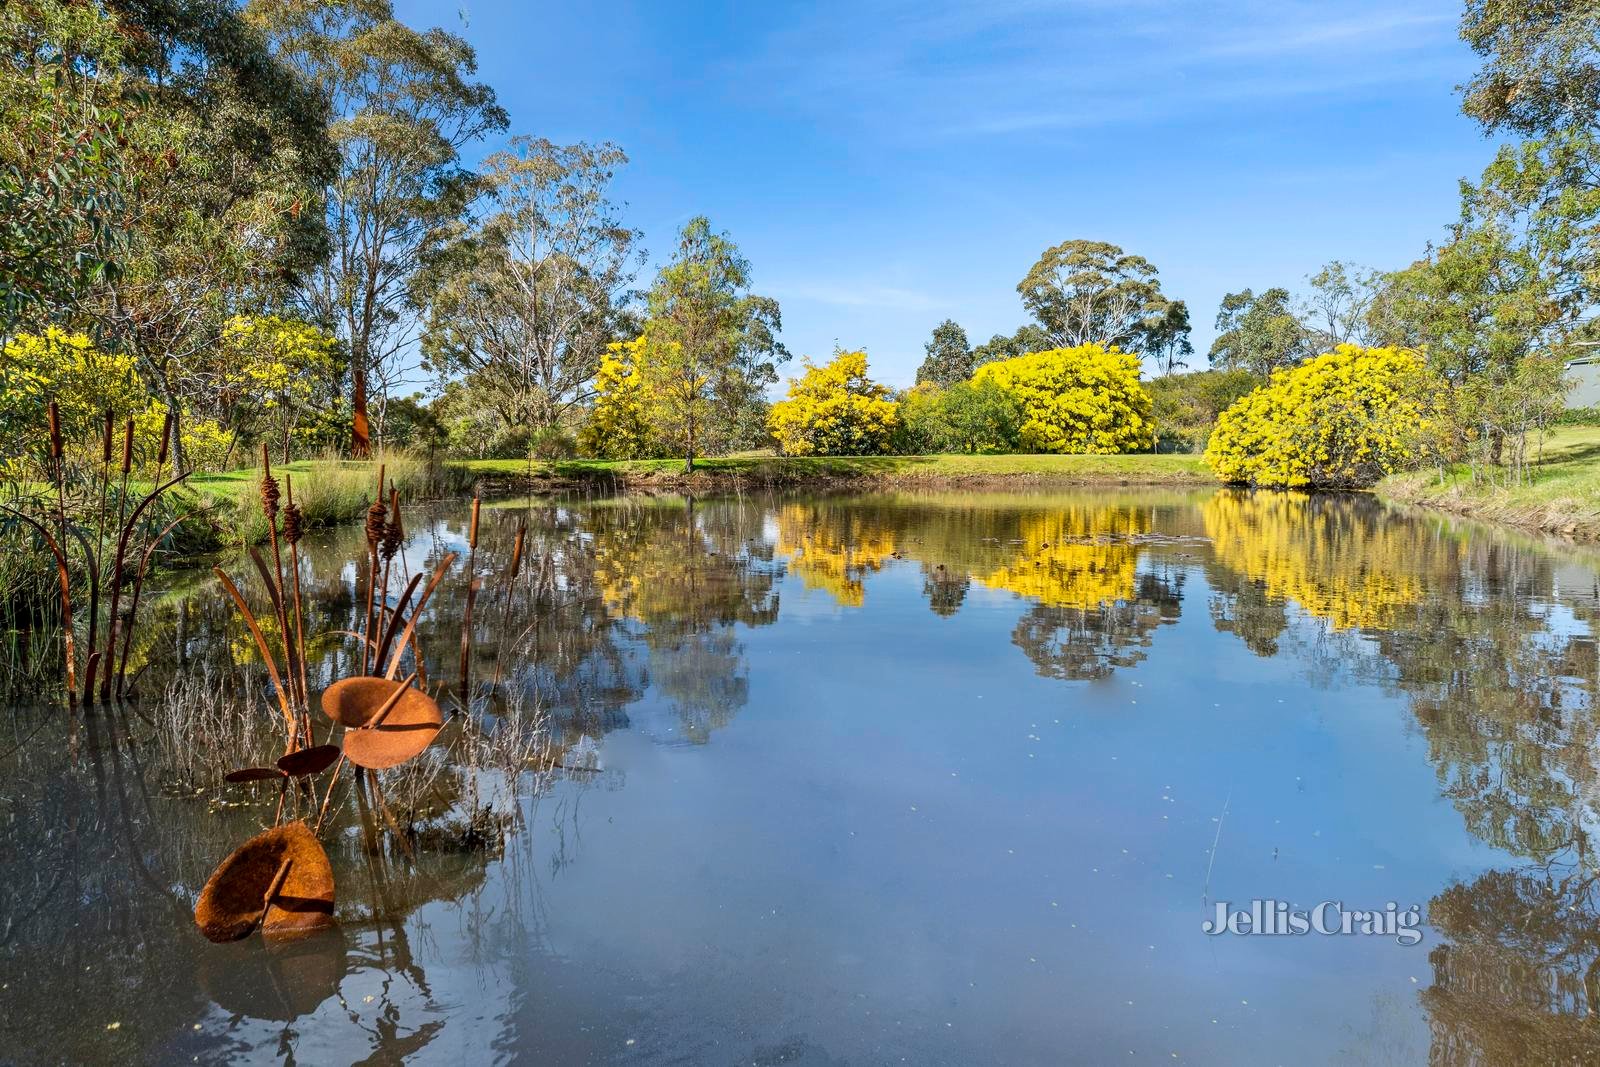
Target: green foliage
(710,348)
(525,299)
(1083,399)
(1091,292)
(404,102)
(835,410)
(1028,338)
(63,167)
(966,417)
(414,422)
(949,356)
(1541,69)
(1259,334)
(1340,421)
(1185,407)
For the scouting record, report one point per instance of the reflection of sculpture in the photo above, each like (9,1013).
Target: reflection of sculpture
(275,980)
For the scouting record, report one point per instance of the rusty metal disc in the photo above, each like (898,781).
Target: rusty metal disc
(352,701)
(252,774)
(231,904)
(306,761)
(408,728)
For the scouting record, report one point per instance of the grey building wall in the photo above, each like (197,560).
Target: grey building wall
(1583,385)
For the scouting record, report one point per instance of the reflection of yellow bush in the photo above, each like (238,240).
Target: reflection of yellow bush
(1356,574)
(1061,564)
(831,551)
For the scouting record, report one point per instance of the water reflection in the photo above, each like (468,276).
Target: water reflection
(662,628)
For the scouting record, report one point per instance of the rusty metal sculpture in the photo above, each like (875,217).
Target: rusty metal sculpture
(280,879)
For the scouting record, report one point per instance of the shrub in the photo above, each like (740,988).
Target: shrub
(835,410)
(1084,399)
(1340,421)
(84,381)
(618,426)
(965,417)
(1185,406)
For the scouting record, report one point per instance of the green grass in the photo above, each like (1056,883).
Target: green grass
(328,491)
(774,470)
(1563,496)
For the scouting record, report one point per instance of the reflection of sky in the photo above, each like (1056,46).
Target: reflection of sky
(969,860)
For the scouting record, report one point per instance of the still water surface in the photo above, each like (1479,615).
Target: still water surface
(944,778)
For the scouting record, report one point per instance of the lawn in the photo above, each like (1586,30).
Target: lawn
(1564,494)
(1148,469)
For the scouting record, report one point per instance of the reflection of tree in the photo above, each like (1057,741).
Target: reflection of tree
(1501,676)
(833,547)
(1085,643)
(1519,979)
(1078,558)
(1344,559)
(1242,606)
(704,678)
(687,576)
(944,588)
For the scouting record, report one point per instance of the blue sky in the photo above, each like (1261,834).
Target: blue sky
(885,165)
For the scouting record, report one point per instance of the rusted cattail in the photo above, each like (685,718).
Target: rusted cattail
(270,496)
(105,447)
(377,515)
(472,535)
(55,431)
(516,551)
(393,531)
(293,523)
(127,447)
(166,439)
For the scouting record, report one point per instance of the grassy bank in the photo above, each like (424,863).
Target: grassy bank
(328,491)
(877,471)
(1563,496)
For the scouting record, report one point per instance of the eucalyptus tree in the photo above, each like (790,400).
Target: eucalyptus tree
(711,346)
(1341,306)
(404,103)
(216,150)
(526,299)
(1092,292)
(1259,333)
(1541,69)
(949,356)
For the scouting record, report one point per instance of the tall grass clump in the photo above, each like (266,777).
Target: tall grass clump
(328,491)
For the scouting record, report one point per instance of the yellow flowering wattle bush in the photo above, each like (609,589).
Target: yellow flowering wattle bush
(1084,399)
(69,368)
(835,410)
(1342,420)
(619,425)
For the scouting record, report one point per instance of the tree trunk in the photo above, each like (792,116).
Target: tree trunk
(360,432)
(180,462)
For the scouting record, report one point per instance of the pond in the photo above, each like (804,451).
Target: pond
(927,778)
